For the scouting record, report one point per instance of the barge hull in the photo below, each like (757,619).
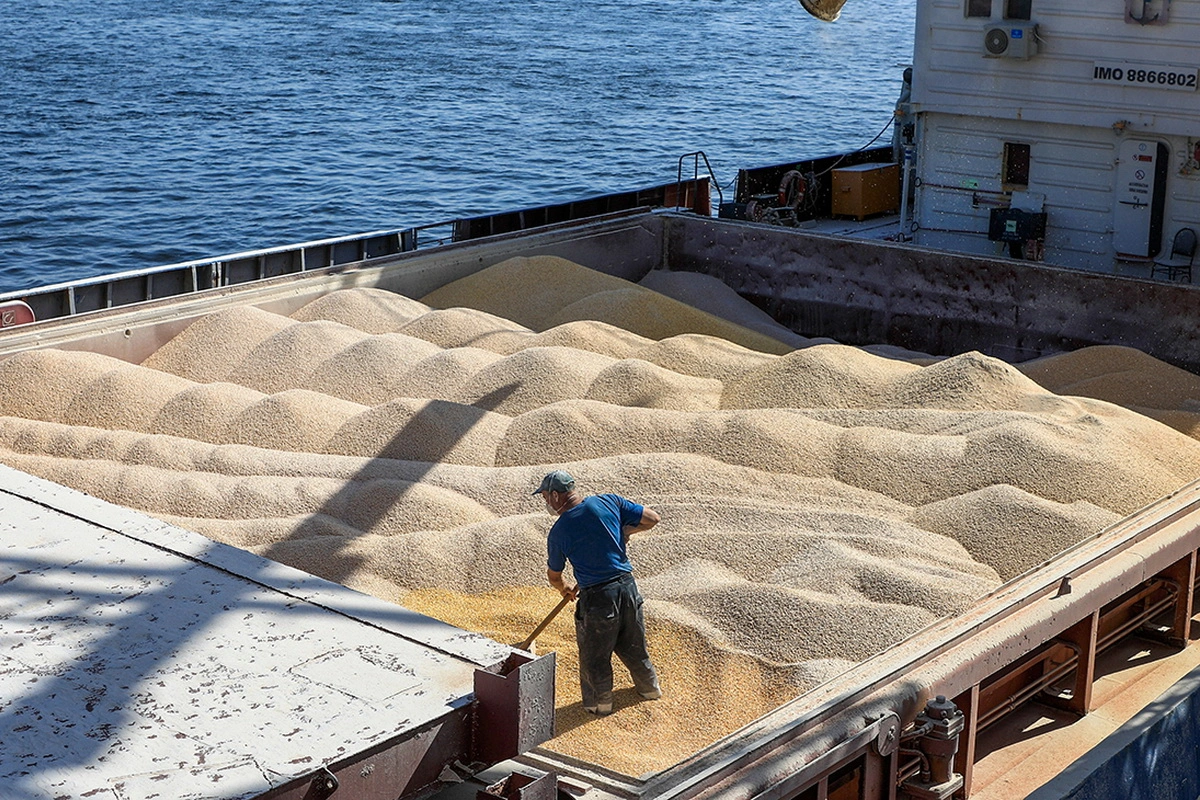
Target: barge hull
(844,733)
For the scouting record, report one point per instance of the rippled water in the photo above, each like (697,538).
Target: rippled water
(143,132)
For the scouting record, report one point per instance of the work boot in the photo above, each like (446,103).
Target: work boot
(653,694)
(600,711)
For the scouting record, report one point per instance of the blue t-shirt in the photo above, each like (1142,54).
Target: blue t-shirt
(589,536)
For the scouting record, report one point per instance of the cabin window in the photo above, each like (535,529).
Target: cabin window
(1016,165)
(1018,9)
(979,8)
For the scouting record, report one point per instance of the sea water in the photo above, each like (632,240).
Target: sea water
(135,133)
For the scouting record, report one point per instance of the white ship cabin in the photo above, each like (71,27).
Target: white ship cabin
(1063,131)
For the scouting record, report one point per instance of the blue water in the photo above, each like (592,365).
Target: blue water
(144,132)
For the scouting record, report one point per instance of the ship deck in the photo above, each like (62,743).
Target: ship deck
(140,660)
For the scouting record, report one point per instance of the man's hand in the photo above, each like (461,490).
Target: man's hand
(556,580)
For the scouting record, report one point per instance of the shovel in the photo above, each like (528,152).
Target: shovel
(527,645)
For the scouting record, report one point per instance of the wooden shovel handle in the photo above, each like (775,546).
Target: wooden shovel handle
(541,627)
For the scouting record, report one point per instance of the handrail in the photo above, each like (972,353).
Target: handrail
(408,235)
(696,156)
(100,292)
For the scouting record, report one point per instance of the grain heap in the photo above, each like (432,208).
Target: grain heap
(818,504)
(1127,377)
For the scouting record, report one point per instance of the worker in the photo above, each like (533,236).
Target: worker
(592,533)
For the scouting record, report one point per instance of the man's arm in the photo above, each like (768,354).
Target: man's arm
(649,519)
(556,580)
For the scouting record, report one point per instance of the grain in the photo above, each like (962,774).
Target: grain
(393,507)
(702,356)
(576,430)
(422,430)
(533,378)
(967,382)
(904,575)
(266,532)
(128,398)
(916,467)
(654,316)
(1126,377)
(818,504)
(371,371)
(459,327)
(295,420)
(593,336)
(825,376)
(1041,528)
(712,295)
(523,289)
(632,382)
(286,359)
(442,375)
(1120,375)
(53,440)
(1186,422)
(211,346)
(1065,464)
(204,411)
(544,291)
(747,615)
(41,384)
(472,558)
(640,738)
(366,308)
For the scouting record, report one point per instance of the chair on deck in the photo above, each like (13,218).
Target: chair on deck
(1179,263)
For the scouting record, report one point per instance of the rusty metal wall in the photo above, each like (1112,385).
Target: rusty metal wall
(866,292)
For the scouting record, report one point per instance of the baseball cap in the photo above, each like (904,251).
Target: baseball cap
(557,481)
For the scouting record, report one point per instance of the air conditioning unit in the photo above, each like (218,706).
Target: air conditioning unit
(1010,41)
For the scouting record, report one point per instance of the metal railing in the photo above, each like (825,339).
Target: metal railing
(154,283)
(680,182)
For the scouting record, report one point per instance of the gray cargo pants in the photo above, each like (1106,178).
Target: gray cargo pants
(608,619)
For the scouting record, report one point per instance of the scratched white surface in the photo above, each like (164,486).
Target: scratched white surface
(129,671)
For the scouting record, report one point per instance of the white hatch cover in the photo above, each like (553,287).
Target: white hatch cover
(140,660)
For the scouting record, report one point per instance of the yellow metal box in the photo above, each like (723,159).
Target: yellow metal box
(866,189)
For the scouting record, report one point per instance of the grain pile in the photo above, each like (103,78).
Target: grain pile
(541,292)
(1127,377)
(818,504)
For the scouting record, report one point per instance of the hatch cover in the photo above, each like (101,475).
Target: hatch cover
(358,675)
(220,782)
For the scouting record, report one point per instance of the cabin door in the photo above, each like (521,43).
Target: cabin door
(1141,194)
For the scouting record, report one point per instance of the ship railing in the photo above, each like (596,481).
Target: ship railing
(170,280)
(681,183)
(113,290)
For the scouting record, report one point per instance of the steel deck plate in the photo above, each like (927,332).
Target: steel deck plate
(140,660)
